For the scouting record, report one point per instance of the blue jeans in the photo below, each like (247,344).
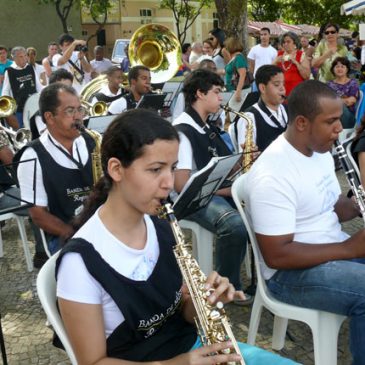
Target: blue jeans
(336,286)
(224,221)
(254,355)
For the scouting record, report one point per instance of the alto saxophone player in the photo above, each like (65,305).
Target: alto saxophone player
(119,288)
(269,116)
(63,167)
(200,142)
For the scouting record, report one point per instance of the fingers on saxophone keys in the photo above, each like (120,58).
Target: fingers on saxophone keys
(215,354)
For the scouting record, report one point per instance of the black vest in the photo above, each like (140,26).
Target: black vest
(66,188)
(6,178)
(22,83)
(154,328)
(265,133)
(204,146)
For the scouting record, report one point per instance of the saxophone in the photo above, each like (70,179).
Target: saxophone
(211,320)
(248,155)
(352,178)
(96,153)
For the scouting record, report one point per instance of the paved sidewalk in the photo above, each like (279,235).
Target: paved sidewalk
(28,340)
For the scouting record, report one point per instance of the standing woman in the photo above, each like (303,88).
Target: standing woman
(235,70)
(292,61)
(327,50)
(119,288)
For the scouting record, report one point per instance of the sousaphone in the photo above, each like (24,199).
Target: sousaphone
(156,47)
(152,45)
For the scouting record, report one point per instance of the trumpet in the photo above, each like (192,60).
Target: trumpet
(95,110)
(7,106)
(19,138)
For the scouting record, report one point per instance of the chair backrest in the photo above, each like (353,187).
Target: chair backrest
(46,288)
(237,189)
(359,107)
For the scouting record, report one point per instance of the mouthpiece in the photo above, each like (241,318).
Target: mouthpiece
(79,126)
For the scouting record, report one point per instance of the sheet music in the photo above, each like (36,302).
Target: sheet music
(202,185)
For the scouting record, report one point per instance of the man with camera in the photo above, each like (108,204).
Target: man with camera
(72,58)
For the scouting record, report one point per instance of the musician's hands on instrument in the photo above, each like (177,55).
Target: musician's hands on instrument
(203,356)
(224,291)
(255,151)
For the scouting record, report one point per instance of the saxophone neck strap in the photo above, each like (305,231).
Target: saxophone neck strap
(71,158)
(208,129)
(266,110)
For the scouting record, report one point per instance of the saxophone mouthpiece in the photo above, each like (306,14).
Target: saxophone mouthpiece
(79,126)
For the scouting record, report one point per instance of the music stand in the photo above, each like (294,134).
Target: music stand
(151,101)
(226,97)
(171,89)
(12,181)
(201,186)
(100,124)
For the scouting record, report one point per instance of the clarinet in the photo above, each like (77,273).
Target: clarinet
(352,178)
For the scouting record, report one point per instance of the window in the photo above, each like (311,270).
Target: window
(145,13)
(215,20)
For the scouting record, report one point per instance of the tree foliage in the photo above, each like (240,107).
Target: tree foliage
(98,10)
(264,10)
(184,13)
(314,12)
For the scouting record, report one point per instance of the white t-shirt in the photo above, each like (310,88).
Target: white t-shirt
(106,91)
(240,138)
(75,283)
(67,66)
(287,192)
(26,169)
(118,106)
(186,157)
(101,66)
(262,55)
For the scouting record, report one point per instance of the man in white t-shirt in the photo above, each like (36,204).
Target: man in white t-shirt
(73,59)
(296,208)
(99,63)
(261,54)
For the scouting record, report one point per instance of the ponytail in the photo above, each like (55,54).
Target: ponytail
(97,197)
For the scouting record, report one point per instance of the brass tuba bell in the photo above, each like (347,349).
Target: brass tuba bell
(7,106)
(156,47)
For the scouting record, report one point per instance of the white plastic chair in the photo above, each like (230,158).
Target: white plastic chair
(46,289)
(202,240)
(325,326)
(23,235)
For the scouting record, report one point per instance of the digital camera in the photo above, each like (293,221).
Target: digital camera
(81,48)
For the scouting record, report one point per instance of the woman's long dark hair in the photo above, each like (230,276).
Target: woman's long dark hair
(125,139)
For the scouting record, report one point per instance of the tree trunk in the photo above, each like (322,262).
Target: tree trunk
(232,15)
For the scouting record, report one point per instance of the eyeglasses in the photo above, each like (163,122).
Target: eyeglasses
(330,32)
(71,112)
